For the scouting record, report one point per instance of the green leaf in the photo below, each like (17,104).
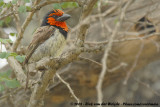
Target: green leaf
(64,5)
(8,5)
(14,1)
(4,55)
(7,20)
(13,54)
(22,9)
(5,40)
(7,54)
(17,57)
(69,5)
(20,58)
(5,78)
(8,73)
(28,8)
(9,40)
(1,3)
(74,4)
(12,83)
(26,1)
(1,87)
(12,34)
(5,74)
(1,22)
(57,6)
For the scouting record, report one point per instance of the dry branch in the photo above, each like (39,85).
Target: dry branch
(38,7)
(106,54)
(70,89)
(39,89)
(25,24)
(119,61)
(17,68)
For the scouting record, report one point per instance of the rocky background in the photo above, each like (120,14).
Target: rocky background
(133,63)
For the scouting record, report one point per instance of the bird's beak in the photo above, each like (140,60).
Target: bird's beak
(63,17)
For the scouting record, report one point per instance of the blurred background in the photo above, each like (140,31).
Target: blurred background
(133,74)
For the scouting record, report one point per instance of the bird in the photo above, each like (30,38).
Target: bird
(48,40)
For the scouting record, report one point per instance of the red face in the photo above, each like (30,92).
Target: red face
(52,19)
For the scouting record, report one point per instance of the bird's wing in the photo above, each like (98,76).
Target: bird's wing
(40,36)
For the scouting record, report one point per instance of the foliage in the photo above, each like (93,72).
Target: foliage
(6,81)
(22,9)
(5,55)
(20,58)
(13,34)
(65,5)
(6,21)
(5,40)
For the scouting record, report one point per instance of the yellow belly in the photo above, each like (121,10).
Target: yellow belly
(51,47)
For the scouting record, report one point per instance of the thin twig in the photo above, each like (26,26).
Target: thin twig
(89,60)
(122,64)
(147,86)
(87,9)
(8,94)
(101,18)
(24,26)
(17,19)
(69,87)
(40,89)
(66,58)
(106,53)
(37,7)
(15,65)
(8,14)
(134,64)
(92,18)
(122,40)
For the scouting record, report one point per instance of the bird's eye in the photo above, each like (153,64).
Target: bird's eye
(54,16)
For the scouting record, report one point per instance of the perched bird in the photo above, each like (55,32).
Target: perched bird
(49,39)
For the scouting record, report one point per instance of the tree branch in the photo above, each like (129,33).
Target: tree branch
(25,24)
(106,54)
(87,9)
(70,89)
(39,89)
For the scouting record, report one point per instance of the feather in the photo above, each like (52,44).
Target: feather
(40,36)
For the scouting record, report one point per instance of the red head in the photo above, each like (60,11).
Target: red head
(56,18)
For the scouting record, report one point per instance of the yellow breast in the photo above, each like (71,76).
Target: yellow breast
(51,47)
